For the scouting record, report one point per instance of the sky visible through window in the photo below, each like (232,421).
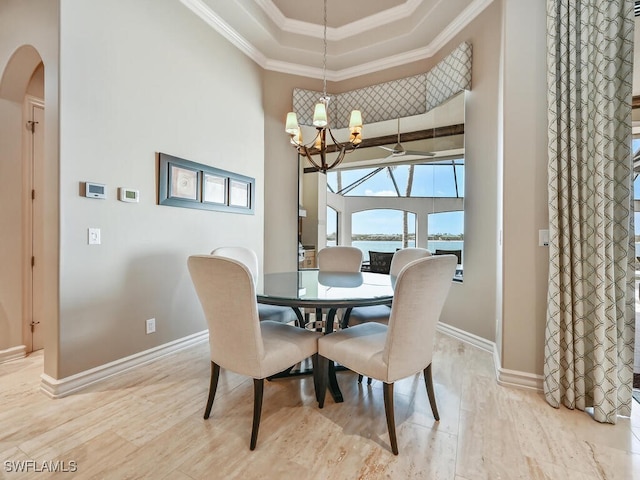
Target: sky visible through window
(428,181)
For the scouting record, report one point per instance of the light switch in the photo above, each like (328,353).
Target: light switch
(94,236)
(543,238)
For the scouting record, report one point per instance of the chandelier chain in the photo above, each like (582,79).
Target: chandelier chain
(324,58)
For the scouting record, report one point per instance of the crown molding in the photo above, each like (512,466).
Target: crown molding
(460,22)
(362,25)
(223,28)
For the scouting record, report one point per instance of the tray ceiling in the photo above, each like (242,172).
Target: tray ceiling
(363,36)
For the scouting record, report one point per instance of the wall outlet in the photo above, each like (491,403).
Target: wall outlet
(151,325)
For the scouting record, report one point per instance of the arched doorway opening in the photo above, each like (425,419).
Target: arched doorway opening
(22,123)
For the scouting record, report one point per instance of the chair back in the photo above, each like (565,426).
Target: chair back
(457,253)
(405,256)
(340,259)
(420,292)
(244,255)
(227,294)
(380,262)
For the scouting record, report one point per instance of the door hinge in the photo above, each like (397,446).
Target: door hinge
(31,125)
(33,261)
(33,325)
(33,194)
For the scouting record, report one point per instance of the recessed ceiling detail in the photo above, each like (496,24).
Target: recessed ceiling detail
(400,98)
(363,36)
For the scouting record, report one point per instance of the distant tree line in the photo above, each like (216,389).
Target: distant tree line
(396,237)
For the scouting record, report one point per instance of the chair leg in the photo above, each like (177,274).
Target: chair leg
(213,386)
(428,381)
(359,378)
(316,375)
(258,386)
(323,379)
(369,381)
(388,410)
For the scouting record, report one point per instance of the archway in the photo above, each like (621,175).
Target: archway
(22,142)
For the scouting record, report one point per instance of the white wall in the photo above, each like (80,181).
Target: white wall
(525,202)
(139,78)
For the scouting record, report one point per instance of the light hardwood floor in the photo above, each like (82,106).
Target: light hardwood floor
(147,423)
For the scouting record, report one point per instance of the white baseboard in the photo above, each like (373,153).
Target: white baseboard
(515,378)
(58,388)
(470,338)
(505,377)
(13,353)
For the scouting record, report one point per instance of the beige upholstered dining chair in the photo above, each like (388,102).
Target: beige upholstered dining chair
(238,340)
(380,313)
(339,259)
(249,258)
(405,346)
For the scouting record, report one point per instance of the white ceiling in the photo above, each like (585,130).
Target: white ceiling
(363,36)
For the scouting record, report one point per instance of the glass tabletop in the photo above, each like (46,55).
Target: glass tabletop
(312,288)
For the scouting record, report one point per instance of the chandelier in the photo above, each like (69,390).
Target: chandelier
(318,146)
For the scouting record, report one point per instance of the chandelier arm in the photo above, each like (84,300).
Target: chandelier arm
(350,147)
(337,143)
(338,160)
(305,151)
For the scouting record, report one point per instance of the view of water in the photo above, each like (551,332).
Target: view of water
(392,246)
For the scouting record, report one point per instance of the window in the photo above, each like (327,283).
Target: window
(427,191)
(332,227)
(446,235)
(381,230)
(436,179)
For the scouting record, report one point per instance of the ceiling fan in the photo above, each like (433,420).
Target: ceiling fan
(398,150)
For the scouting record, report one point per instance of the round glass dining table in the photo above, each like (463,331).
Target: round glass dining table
(312,288)
(325,291)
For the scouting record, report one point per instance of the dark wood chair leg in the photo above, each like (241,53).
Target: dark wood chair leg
(258,386)
(369,381)
(334,388)
(428,381)
(323,378)
(388,410)
(213,386)
(316,375)
(359,378)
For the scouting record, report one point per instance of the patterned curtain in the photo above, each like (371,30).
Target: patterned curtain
(590,318)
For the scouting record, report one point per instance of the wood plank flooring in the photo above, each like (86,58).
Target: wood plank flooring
(147,423)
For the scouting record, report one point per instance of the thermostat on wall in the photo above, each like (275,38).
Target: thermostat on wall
(128,195)
(95,190)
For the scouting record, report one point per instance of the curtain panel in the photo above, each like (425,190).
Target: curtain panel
(590,317)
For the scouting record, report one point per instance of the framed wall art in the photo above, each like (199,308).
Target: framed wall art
(183,183)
